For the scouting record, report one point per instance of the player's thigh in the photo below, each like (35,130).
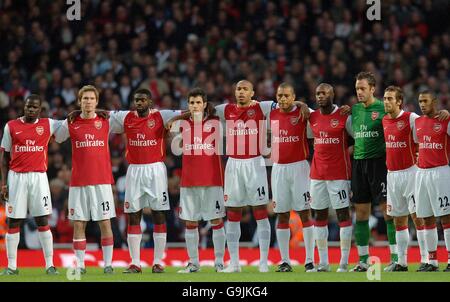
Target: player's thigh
(212,203)
(421,195)
(101,202)
(281,189)
(397,203)
(439,190)
(360,185)
(157,188)
(320,199)
(301,196)
(17,204)
(134,190)
(234,190)
(189,208)
(339,193)
(410,189)
(79,204)
(377,173)
(255,182)
(40,201)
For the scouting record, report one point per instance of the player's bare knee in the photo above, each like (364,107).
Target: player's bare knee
(191,224)
(159,217)
(429,221)
(14,223)
(321,215)
(362,211)
(445,219)
(216,221)
(41,220)
(418,222)
(134,218)
(283,217)
(401,221)
(343,214)
(305,216)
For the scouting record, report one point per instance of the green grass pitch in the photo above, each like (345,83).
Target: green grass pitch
(207,274)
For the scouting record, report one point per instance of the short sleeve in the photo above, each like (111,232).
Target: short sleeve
(412,119)
(54,125)
(267,106)
(309,132)
(348,125)
(448,129)
(167,115)
(220,111)
(6,140)
(62,133)
(116,120)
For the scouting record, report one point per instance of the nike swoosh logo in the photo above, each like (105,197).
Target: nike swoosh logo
(76,127)
(314,125)
(19,132)
(419,129)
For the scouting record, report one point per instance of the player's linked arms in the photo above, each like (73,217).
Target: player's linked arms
(443,115)
(304,110)
(345,109)
(76,113)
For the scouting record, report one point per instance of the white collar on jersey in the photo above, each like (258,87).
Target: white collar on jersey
(335,108)
(22,119)
(85,118)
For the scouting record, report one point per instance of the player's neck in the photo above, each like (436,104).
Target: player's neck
(29,120)
(369,102)
(432,113)
(289,109)
(394,114)
(243,105)
(143,113)
(88,115)
(327,110)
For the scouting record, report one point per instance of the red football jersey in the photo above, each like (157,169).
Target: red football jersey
(432,136)
(91,162)
(400,146)
(202,164)
(28,144)
(245,129)
(289,142)
(331,160)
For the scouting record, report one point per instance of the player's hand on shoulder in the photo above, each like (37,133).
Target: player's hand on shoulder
(345,110)
(102,113)
(443,115)
(73,115)
(304,110)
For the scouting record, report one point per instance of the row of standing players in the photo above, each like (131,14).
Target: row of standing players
(294,186)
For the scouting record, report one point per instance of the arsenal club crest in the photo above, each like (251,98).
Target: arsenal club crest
(40,130)
(72,211)
(225,198)
(98,125)
(375,115)
(274,204)
(334,123)
(251,113)
(127,204)
(294,120)
(151,123)
(10,208)
(207,127)
(401,125)
(437,127)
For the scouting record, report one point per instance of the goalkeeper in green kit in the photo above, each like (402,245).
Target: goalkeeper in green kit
(369,169)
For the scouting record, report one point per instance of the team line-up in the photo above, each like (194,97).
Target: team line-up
(400,162)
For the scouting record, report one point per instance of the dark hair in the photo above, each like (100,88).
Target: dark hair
(143,91)
(34,97)
(398,92)
(197,91)
(285,85)
(368,76)
(430,92)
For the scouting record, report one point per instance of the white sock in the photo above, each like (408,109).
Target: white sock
(79,246)
(160,239)
(308,236)
(431,238)
(402,239)
(191,236)
(345,234)
(107,248)
(12,242)
(233,236)
(447,240)
(422,245)
(321,236)
(264,240)
(283,237)
(393,249)
(363,250)
(218,236)
(134,246)
(46,240)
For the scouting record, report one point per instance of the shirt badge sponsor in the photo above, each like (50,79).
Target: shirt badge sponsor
(10,209)
(40,130)
(151,123)
(334,123)
(225,197)
(294,120)
(251,113)
(375,115)
(401,125)
(98,125)
(437,127)
(127,205)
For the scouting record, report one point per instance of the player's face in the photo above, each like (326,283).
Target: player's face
(391,104)
(285,98)
(196,104)
(323,96)
(142,102)
(32,109)
(426,103)
(364,91)
(244,93)
(88,101)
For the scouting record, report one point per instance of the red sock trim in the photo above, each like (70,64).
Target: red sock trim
(401,228)
(260,214)
(283,226)
(344,224)
(446,226)
(420,228)
(160,228)
(430,227)
(321,223)
(218,226)
(308,224)
(134,229)
(191,227)
(234,216)
(13,230)
(432,255)
(107,241)
(79,245)
(44,228)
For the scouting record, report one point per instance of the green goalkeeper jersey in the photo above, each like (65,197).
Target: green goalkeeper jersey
(368,130)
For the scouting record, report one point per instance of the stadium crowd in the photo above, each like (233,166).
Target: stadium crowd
(169,47)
